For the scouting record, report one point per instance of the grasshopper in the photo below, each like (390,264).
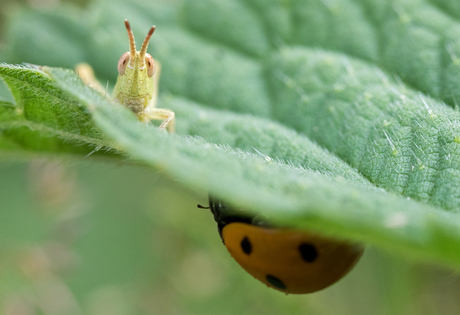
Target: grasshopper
(137,82)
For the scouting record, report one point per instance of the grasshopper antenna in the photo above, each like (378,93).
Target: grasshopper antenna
(143,50)
(132,44)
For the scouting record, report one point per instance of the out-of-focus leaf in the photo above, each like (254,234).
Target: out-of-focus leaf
(57,38)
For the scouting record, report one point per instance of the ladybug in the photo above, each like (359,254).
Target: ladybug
(287,260)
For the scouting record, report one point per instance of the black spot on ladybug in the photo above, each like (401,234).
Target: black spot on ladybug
(246,246)
(308,252)
(274,281)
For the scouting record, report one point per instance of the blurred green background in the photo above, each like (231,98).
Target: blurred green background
(98,238)
(89,236)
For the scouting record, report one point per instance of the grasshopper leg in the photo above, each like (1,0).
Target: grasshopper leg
(156,83)
(86,73)
(153,113)
(159,114)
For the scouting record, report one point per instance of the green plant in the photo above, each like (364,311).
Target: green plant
(320,115)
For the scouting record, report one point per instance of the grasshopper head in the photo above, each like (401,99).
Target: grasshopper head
(134,86)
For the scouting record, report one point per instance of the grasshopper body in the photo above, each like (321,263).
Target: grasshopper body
(137,83)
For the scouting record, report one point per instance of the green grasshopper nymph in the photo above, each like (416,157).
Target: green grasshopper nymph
(137,83)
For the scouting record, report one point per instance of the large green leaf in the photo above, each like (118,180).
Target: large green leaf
(316,108)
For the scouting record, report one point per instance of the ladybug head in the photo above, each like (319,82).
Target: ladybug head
(225,214)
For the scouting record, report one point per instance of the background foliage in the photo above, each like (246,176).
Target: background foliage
(111,238)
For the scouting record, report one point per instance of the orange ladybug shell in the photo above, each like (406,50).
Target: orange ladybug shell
(289,260)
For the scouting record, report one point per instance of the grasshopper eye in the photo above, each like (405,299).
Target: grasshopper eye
(150,63)
(123,62)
